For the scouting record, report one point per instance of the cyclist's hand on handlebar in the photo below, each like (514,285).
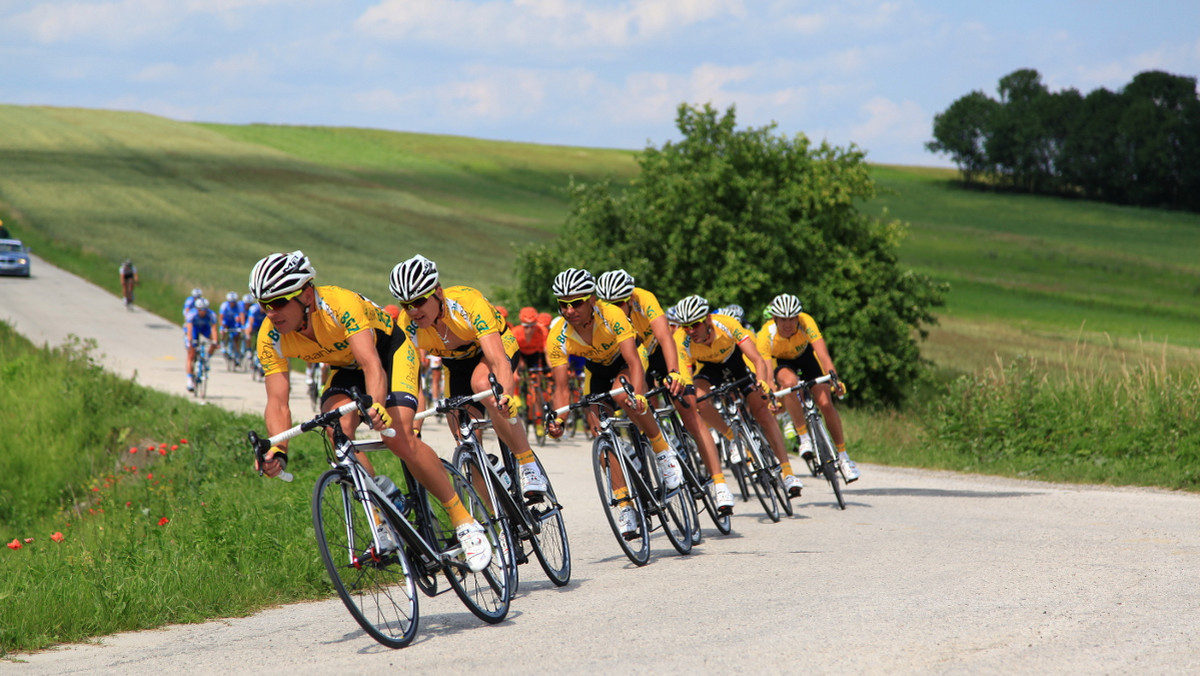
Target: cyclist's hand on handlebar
(274,462)
(674,383)
(639,404)
(385,420)
(555,428)
(764,389)
(839,387)
(509,405)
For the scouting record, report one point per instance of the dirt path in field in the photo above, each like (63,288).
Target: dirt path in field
(925,572)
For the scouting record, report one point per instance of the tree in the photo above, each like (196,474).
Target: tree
(962,132)
(743,215)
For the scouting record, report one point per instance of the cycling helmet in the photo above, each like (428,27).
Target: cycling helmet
(414,278)
(691,309)
(502,310)
(528,315)
(231,296)
(672,318)
(544,319)
(196,293)
(614,285)
(280,274)
(248,299)
(733,310)
(785,305)
(201,304)
(766,314)
(393,311)
(573,282)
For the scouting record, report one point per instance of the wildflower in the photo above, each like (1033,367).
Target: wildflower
(164,521)
(28,541)
(133,449)
(162,451)
(57,537)
(183,441)
(174,447)
(149,476)
(150,448)
(95,489)
(162,445)
(129,504)
(15,544)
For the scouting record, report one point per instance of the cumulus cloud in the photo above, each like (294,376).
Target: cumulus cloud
(890,122)
(561,23)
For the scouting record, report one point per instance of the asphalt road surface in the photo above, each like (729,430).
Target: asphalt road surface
(924,572)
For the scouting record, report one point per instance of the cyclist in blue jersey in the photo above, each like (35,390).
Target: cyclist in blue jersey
(233,317)
(190,302)
(201,322)
(254,319)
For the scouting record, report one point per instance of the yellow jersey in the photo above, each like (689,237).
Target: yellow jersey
(467,315)
(772,345)
(643,309)
(610,328)
(339,314)
(727,333)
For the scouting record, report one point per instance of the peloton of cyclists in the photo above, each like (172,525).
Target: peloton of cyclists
(201,322)
(233,320)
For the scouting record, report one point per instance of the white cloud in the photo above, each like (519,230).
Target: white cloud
(157,72)
(891,123)
(562,23)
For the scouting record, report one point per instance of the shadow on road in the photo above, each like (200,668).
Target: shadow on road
(942,493)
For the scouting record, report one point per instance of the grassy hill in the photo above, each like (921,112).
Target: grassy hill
(197,204)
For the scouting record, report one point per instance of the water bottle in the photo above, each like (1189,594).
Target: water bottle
(392,492)
(498,465)
(629,453)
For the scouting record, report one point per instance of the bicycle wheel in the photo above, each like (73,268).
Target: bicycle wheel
(466,461)
(487,593)
(828,458)
(377,590)
(549,536)
(756,472)
(703,490)
(681,441)
(202,379)
(773,471)
(637,547)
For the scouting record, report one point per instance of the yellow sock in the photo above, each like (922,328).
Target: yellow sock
(787,468)
(659,445)
(802,429)
(841,448)
(719,478)
(525,458)
(621,494)
(458,514)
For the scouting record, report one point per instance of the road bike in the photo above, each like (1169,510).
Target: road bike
(749,455)
(535,394)
(695,472)
(379,549)
(315,377)
(200,368)
(526,523)
(823,461)
(613,459)
(231,348)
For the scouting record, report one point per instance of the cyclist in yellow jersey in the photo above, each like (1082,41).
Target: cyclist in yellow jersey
(361,344)
(715,344)
(601,334)
(793,339)
(473,341)
(650,324)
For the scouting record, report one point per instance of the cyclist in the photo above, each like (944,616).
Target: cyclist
(719,347)
(364,349)
(531,352)
(650,324)
(129,278)
(254,319)
(467,332)
(602,335)
(201,322)
(190,302)
(233,317)
(793,339)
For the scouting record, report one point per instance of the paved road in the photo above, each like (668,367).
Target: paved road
(925,572)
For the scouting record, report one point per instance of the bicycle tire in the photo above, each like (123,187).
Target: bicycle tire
(829,464)
(685,448)
(756,472)
(467,462)
(487,593)
(738,468)
(378,591)
(549,536)
(202,379)
(774,472)
(677,509)
(636,549)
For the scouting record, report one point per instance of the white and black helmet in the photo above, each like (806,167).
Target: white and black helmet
(414,278)
(691,309)
(614,285)
(280,274)
(231,296)
(733,310)
(573,282)
(785,305)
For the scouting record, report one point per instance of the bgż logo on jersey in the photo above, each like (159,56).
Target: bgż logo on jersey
(349,322)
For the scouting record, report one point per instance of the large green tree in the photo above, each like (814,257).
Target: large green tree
(962,132)
(740,215)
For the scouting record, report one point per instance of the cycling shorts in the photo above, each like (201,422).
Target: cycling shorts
(806,365)
(399,359)
(719,373)
(459,372)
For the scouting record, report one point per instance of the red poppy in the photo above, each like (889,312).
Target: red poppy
(133,449)
(183,441)
(163,445)
(28,540)
(164,521)
(150,447)
(162,451)
(57,537)
(15,544)
(174,447)
(128,504)
(149,475)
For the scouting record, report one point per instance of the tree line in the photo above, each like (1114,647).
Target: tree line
(1139,146)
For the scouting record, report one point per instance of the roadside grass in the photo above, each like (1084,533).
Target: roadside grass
(160,516)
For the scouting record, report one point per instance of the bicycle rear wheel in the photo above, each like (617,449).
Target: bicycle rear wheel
(774,472)
(636,547)
(378,590)
(487,593)
(549,537)
(756,472)
(466,461)
(828,459)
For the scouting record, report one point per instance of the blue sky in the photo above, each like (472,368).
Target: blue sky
(604,73)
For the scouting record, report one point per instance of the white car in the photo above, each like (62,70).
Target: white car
(14,258)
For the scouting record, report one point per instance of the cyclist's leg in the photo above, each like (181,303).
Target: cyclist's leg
(513,435)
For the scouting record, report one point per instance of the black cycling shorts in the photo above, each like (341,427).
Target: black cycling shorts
(806,365)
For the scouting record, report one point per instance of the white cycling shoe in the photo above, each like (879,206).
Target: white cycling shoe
(476,549)
(628,522)
(793,485)
(724,499)
(533,482)
(668,466)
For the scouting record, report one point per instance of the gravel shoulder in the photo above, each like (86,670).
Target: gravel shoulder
(925,572)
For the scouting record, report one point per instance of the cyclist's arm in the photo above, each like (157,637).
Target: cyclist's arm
(822,352)
(760,365)
(497,360)
(562,390)
(662,333)
(362,345)
(637,374)
(278,414)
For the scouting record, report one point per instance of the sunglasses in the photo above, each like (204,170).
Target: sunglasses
(564,304)
(694,324)
(279,302)
(419,302)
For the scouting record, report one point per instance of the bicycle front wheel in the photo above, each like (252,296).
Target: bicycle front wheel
(827,458)
(636,545)
(487,593)
(378,590)
(549,535)
(756,472)
(467,461)
(773,471)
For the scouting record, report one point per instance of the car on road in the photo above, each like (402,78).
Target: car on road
(14,258)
